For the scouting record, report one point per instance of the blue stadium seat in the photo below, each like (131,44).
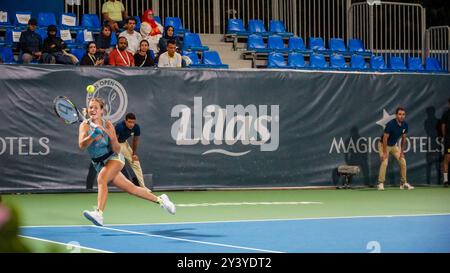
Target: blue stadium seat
(377,63)
(276,43)
(6,24)
(236,26)
(338,61)
(276,60)
(7,55)
(66,19)
(316,44)
(433,65)
(157,19)
(192,42)
(296,44)
(256,43)
(396,63)
(78,52)
(175,22)
(358,62)
(45,19)
(138,23)
(81,40)
(357,46)
(318,61)
(337,45)
(194,58)
(21,18)
(212,59)
(91,22)
(277,27)
(42,33)
(69,42)
(296,60)
(8,39)
(415,64)
(257,26)
(113,39)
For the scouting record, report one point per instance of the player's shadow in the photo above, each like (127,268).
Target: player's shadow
(183,232)
(177,233)
(433,155)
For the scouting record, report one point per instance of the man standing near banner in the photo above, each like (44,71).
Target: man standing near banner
(394,129)
(124,130)
(445,126)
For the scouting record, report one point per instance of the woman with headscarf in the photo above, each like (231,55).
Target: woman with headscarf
(92,57)
(169,34)
(151,30)
(144,56)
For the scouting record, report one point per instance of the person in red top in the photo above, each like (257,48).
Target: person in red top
(120,56)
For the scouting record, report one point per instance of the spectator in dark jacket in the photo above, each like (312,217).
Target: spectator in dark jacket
(144,56)
(53,48)
(103,42)
(92,57)
(30,43)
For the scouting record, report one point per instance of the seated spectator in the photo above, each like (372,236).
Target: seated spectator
(114,12)
(103,42)
(53,49)
(151,30)
(170,58)
(133,37)
(120,56)
(92,57)
(144,57)
(169,34)
(30,43)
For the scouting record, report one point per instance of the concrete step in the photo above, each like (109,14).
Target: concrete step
(227,54)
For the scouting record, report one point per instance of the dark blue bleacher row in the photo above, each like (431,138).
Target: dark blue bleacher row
(296,60)
(84,33)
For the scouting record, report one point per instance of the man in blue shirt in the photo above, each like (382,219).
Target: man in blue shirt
(124,131)
(395,129)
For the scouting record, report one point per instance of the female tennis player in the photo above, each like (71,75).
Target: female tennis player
(103,146)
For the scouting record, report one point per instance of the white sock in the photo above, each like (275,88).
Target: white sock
(445,177)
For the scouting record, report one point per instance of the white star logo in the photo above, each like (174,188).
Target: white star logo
(386,118)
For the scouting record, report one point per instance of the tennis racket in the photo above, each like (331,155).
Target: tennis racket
(66,110)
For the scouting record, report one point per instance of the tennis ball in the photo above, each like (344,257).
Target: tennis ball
(90,89)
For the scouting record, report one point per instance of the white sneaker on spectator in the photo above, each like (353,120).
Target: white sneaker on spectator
(94,216)
(406,186)
(167,204)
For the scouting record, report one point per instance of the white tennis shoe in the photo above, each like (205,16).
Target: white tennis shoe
(406,186)
(167,204)
(380,186)
(94,217)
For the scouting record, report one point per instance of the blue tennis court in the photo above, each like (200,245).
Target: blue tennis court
(418,233)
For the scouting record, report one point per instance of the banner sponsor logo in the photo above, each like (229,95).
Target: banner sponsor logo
(214,125)
(24,146)
(115,97)
(415,144)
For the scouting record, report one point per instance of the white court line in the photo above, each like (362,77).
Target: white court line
(188,240)
(246,204)
(64,244)
(255,220)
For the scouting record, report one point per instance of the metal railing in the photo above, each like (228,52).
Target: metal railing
(438,45)
(389,28)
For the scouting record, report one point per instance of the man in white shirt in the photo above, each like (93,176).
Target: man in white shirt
(133,37)
(170,58)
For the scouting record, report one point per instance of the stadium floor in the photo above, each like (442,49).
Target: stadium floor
(244,221)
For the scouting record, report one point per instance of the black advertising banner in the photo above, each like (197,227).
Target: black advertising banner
(221,128)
